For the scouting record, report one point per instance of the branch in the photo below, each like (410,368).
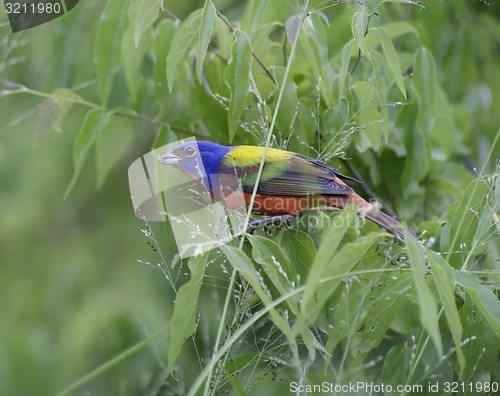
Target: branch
(359,50)
(22,89)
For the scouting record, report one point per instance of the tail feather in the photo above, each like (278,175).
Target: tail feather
(371,213)
(389,223)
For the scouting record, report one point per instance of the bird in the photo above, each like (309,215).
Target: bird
(290,183)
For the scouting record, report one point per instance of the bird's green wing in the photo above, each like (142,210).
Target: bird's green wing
(285,173)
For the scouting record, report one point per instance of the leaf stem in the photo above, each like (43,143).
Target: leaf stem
(359,50)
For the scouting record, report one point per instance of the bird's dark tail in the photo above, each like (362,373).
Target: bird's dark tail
(389,223)
(371,212)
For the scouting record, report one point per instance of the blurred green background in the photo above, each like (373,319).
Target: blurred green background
(73,293)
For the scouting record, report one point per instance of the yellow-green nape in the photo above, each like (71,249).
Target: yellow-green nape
(252,155)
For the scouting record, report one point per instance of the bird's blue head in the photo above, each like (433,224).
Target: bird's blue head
(187,157)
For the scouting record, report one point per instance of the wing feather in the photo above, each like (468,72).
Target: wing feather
(284,173)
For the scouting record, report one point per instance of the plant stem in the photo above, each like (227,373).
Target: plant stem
(359,51)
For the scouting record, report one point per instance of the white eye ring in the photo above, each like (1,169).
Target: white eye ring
(190,151)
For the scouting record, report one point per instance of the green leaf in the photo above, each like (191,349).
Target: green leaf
(444,279)
(106,52)
(391,57)
(207,25)
(133,59)
(407,322)
(333,266)
(237,77)
(244,266)
(288,105)
(397,365)
(344,67)
(304,139)
(275,264)
(112,143)
(262,44)
(465,221)
(46,114)
(381,84)
(428,307)
(51,112)
(358,27)
(164,35)
(299,248)
(384,301)
(424,80)
(367,301)
(340,265)
(65,99)
(164,136)
(310,342)
(368,116)
(317,37)
(418,160)
(94,123)
(147,13)
(400,28)
(181,43)
(486,302)
(183,322)
(482,346)
(225,38)
(446,136)
(326,252)
(266,251)
(314,42)
(238,389)
(241,361)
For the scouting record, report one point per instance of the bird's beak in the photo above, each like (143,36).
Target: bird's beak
(169,158)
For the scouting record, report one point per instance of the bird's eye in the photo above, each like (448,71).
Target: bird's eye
(190,151)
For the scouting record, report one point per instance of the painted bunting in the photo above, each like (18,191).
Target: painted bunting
(290,183)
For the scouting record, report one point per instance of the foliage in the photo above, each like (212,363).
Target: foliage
(403,93)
